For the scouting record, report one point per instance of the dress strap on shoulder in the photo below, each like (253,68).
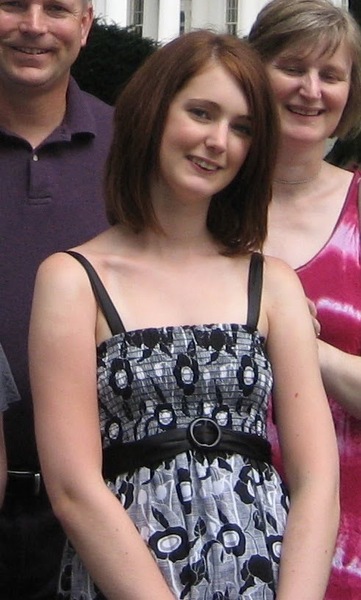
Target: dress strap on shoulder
(255,281)
(102,297)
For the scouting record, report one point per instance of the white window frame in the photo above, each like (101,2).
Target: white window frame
(232,16)
(137,15)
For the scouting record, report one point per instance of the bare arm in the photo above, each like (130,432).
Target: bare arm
(341,372)
(307,440)
(3,462)
(63,376)
(341,375)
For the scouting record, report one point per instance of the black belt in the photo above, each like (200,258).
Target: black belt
(24,484)
(203,435)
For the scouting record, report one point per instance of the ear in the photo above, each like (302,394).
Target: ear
(86,23)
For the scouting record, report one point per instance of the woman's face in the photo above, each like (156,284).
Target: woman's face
(311,91)
(207,136)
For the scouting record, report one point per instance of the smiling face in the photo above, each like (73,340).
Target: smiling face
(311,91)
(207,136)
(40,40)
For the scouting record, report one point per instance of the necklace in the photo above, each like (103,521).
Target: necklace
(296,181)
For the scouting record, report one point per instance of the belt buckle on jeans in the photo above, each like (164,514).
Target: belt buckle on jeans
(36,476)
(210,424)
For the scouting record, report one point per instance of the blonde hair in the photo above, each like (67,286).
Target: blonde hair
(298,24)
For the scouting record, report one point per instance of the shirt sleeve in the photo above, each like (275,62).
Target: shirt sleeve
(8,390)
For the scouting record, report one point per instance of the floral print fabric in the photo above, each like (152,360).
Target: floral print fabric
(214,525)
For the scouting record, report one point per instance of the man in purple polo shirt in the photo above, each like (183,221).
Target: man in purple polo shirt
(53,143)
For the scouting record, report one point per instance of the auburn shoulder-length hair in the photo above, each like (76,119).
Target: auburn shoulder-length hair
(237,215)
(300,27)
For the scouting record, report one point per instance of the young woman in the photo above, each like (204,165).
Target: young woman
(151,349)
(312,51)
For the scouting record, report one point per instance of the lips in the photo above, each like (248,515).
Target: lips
(305,112)
(207,165)
(31,51)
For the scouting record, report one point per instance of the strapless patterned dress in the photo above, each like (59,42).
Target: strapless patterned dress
(214,523)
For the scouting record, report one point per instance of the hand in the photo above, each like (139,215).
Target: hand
(313,312)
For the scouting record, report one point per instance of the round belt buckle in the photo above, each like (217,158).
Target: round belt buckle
(201,426)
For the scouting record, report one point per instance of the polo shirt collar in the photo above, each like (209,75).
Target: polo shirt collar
(79,119)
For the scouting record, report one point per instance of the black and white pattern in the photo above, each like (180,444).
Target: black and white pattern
(214,525)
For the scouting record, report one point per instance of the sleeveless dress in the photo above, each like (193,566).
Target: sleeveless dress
(214,524)
(332,279)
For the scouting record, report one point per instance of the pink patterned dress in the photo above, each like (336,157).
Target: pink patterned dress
(332,279)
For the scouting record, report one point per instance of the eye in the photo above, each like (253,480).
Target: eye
(331,77)
(289,67)
(200,113)
(56,9)
(11,5)
(242,129)
(293,70)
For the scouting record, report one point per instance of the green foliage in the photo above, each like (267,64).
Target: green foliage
(111,56)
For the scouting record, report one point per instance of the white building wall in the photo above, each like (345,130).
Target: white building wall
(208,14)
(162,17)
(112,10)
(117,10)
(168,19)
(150,23)
(247,13)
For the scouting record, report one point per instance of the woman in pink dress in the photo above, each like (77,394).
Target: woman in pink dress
(312,50)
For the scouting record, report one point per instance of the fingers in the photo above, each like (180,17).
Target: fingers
(313,312)
(312,308)
(317,327)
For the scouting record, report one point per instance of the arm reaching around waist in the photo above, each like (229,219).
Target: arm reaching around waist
(62,348)
(307,439)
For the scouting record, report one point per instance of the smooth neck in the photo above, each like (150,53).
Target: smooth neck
(299,165)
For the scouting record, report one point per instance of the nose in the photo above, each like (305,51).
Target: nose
(217,137)
(33,21)
(311,85)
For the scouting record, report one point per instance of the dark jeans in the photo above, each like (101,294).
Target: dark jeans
(31,545)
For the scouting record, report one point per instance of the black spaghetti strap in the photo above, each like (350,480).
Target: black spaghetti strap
(255,281)
(103,299)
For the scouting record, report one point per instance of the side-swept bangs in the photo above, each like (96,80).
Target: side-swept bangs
(302,26)
(140,117)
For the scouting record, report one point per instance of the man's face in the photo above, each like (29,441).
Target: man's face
(40,40)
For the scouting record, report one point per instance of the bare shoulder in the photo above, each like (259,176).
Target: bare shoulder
(283,294)
(279,277)
(63,289)
(285,304)
(65,272)
(60,271)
